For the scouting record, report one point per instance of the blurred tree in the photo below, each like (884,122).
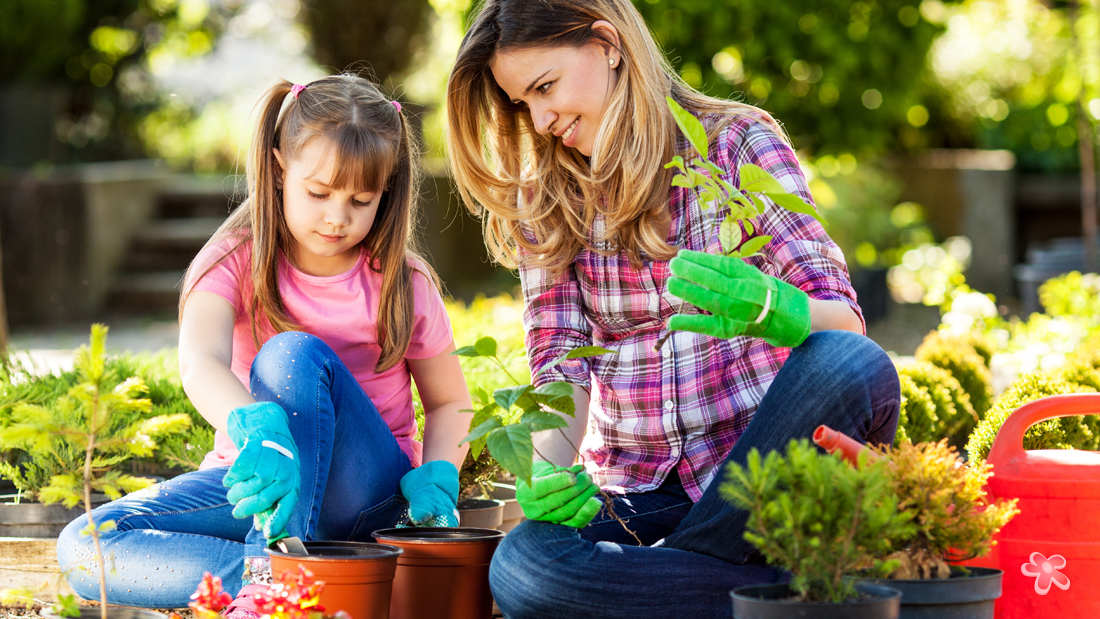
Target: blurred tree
(383,34)
(97,52)
(842,75)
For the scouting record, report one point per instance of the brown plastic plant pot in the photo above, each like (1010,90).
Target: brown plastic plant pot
(444,572)
(358,576)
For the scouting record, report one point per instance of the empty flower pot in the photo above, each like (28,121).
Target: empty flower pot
(443,572)
(480,513)
(358,576)
(513,513)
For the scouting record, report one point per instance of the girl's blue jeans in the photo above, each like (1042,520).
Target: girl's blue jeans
(694,554)
(167,536)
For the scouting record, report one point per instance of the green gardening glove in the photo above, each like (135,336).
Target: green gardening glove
(741,300)
(562,496)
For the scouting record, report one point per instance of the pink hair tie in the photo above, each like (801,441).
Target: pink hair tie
(396,105)
(295,89)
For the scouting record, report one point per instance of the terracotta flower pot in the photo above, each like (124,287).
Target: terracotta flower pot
(358,576)
(444,572)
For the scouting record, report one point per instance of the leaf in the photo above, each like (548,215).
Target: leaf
(681,181)
(729,234)
(558,396)
(511,446)
(690,125)
(577,353)
(556,389)
(466,351)
(543,420)
(754,245)
(482,429)
(505,397)
(486,347)
(794,203)
(677,162)
(756,178)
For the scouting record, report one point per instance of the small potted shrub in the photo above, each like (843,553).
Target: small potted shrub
(820,519)
(952,521)
(104,420)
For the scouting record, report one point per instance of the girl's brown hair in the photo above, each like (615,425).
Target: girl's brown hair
(370,139)
(538,198)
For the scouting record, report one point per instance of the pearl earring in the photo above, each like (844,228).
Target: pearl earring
(611,61)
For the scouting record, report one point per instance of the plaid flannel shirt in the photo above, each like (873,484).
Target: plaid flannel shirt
(685,406)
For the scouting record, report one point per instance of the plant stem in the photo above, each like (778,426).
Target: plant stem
(92,524)
(504,369)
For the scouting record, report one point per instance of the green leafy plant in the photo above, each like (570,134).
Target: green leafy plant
(818,517)
(506,419)
(704,178)
(102,419)
(952,518)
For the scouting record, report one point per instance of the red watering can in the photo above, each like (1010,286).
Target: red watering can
(1050,552)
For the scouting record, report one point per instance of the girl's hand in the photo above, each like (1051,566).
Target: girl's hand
(741,300)
(562,496)
(432,491)
(266,475)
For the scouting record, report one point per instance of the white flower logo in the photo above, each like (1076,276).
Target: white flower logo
(1045,571)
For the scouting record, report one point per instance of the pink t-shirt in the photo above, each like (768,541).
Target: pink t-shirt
(342,310)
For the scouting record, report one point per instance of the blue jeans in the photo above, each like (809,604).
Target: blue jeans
(542,570)
(166,536)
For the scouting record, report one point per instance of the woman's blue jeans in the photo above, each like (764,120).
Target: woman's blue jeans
(167,536)
(695,554)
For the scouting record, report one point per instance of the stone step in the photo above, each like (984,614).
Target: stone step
(169,244)
(145,291)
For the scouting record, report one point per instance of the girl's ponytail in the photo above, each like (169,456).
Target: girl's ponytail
(268,228)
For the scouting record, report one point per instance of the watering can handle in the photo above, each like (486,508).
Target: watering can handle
(1009,443)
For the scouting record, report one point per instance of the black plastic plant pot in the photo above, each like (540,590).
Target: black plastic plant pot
(774,602)
(963,596)
(113,612)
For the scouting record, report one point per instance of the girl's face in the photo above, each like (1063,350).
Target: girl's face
(566,89)
(327,223)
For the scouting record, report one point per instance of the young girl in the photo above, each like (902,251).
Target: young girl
(302,321)
(558,131)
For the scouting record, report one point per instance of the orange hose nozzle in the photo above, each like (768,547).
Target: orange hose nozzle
(832,441)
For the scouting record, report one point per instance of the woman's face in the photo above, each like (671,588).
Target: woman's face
(566,89)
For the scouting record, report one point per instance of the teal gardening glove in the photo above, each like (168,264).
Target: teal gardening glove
(559,495)
(741,300)
(432,492)
(265,479)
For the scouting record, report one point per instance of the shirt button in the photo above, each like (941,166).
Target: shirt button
(666,351)
(668,405)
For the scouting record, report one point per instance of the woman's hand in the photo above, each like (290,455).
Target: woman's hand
(741,300)
(560,495)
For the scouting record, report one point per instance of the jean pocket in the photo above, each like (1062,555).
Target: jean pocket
(381,516)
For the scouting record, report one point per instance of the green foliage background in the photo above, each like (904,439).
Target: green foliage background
(811,63)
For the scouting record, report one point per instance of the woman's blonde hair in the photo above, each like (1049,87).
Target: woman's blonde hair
(537,198)
(371,142)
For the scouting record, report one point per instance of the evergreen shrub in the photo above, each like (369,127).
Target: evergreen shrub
(951,415)
(818,517)
(957,355)
(1075,432)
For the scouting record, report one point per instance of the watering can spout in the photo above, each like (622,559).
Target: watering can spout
(839,443)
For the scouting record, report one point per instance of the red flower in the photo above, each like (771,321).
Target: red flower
(1045,571)
(209,597)
(291,596)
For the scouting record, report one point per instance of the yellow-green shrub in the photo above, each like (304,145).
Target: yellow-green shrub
(934,406)
(1076,432)
(957,355)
